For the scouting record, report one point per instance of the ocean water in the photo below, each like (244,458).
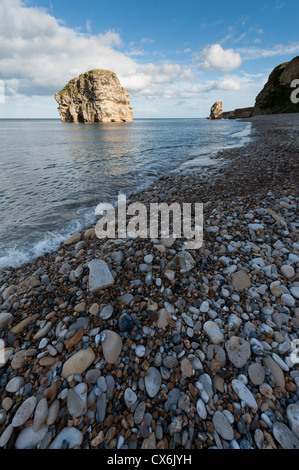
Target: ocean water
(53,174)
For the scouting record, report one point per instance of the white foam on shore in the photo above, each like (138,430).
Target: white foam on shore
(15,257)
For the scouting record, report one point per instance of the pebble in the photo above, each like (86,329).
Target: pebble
(111,346)
(72,436)
(201,409)
(77,400)
(153,381)
(78,363)
(276,371)
(256,373)
(200,341)
(213,332)
(140,350)
(15,384)
(286,438)
(287,271)
(106,312)
(292,412)
(100,276)
(244,394)
(238,351)
(222,426)
(28,438)
(130,397)
(241,280)
(139,413)
(40,415)
(24,412)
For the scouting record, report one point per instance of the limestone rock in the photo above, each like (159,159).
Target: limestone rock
(153,381)
(216,110)
(94,96)
(78,363)
(72,435)
(275,96)
(111,346)
(100,276)
(241,280)
(238,351)
(293,417)
(28,438)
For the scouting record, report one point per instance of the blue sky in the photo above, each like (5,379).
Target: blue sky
(175,58)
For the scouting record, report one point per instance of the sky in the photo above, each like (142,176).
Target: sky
(176,58)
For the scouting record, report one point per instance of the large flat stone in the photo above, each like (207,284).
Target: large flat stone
(100,276)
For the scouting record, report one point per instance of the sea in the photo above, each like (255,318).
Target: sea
(54,174)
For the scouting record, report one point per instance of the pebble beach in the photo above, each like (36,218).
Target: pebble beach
(138,344)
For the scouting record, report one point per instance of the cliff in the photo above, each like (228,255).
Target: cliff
(275,96)
(94,96)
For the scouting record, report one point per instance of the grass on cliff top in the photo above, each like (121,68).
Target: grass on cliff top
(72,86)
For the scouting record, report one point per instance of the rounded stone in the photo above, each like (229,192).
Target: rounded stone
(256,373)
(15,384)
(140,350)
(213,332)
(286,438)
(78,363)
(295,291)
(71,435)
(201,409)
(24,412)
(287,271)
(40,415)
(244,394)
(222,426)
(5,319)
(106,312)
(153,381)
(186,367)
(139,413)
(238,351)
(288,300)
(29,439)
(130,397)
(77,400)
(111,346)
(293,417)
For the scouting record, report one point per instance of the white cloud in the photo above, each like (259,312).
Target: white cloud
(42,54)
(279,49)
(215,57)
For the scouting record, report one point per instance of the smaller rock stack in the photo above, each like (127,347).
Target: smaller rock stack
(216,110)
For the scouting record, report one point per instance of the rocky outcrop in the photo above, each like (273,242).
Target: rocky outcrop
(216,110)
(237,113)
(243,112)
(275,96)
(94,96)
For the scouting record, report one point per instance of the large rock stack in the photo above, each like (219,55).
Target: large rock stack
(94,96)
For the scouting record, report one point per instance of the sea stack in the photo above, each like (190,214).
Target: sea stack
(216,110)
(94,96)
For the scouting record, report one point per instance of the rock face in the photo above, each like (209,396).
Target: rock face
(94,96)
(275,96)
(216,110)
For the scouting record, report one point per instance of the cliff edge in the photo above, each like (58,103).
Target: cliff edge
(275,96)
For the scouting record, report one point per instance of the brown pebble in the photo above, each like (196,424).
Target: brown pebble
(51,391)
